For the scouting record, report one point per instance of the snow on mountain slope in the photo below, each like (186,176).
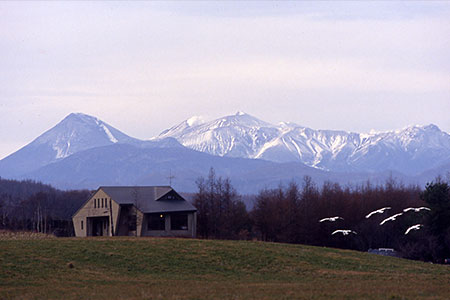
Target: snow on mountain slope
(239,135)
(411,150)
(76,132)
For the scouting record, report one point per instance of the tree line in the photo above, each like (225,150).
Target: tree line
(30,205)
(300,214)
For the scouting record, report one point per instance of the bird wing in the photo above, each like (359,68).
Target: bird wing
(325,219)
(378,211)
(414,227)
(391,218)
(395,216)
(344,231)
(424,208)
(370,214)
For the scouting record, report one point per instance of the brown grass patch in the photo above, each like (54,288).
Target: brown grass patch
(24,235)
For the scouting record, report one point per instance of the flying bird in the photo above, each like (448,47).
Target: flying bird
(414,227)
(391,218)
(344,231)
(331,219)
(378,211)
(416,209)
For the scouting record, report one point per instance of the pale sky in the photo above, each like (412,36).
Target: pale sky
(143,67)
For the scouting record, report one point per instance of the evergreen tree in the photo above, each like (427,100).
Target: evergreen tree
(437,196)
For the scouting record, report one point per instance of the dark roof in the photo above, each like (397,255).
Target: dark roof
(149,199)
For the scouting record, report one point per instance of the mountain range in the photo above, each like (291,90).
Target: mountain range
(84,152)
(411,150)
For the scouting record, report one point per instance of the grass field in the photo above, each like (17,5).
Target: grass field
(153,268)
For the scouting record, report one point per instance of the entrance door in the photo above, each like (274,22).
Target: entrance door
(97,229)
(100,226)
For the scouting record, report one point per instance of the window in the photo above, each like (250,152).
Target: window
(156,222)
(106,202)
(103,202)
(82,225)
(95,203)
(179,221)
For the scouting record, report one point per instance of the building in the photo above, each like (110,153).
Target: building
(136,211)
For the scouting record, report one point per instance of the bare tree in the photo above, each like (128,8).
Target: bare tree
(136,216)
(220,211)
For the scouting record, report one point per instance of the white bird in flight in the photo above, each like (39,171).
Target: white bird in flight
(416,209)
(378,211)
(344,231)
(414,227)
(391,218)
(331,219)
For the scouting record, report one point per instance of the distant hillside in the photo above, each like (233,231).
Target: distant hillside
(122,164)
(22,189)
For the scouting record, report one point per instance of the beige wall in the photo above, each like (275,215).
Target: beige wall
(91,210)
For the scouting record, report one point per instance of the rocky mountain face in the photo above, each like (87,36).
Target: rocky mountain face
(411,150)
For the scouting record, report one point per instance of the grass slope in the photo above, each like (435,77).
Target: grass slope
(154,268)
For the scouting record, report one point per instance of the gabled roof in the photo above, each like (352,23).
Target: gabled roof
(149,199)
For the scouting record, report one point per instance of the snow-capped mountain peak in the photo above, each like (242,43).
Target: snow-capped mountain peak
(75,133)
(238,135)
(78,132)
(195,120)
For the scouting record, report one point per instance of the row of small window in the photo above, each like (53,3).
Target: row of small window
(158,222)
(100,202)
(82,225)
(178,221)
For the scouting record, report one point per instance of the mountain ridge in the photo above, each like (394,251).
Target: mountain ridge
(242,135)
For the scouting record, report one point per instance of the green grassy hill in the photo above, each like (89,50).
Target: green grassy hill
(152,268)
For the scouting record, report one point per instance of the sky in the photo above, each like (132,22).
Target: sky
(144,67)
